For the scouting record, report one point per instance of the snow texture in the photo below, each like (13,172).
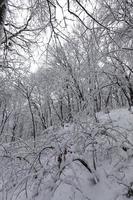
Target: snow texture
(86,160)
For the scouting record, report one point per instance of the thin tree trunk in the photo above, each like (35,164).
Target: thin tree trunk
(33,120)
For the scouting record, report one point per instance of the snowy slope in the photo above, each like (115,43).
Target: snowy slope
(84,160)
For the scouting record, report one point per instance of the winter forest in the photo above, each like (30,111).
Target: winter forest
(66,99)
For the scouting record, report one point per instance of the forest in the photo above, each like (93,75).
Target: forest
(66,99)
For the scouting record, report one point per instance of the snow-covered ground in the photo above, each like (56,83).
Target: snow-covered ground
(86,160)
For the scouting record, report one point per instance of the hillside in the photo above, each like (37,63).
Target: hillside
(83,160)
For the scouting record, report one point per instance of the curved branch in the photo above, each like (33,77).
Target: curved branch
(84,164)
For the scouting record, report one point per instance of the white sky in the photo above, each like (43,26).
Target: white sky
(59,17)
(37,52)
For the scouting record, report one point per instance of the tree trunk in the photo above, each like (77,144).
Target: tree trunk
(33,121)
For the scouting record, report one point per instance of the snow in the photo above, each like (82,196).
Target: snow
(120,117)
(105,147)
